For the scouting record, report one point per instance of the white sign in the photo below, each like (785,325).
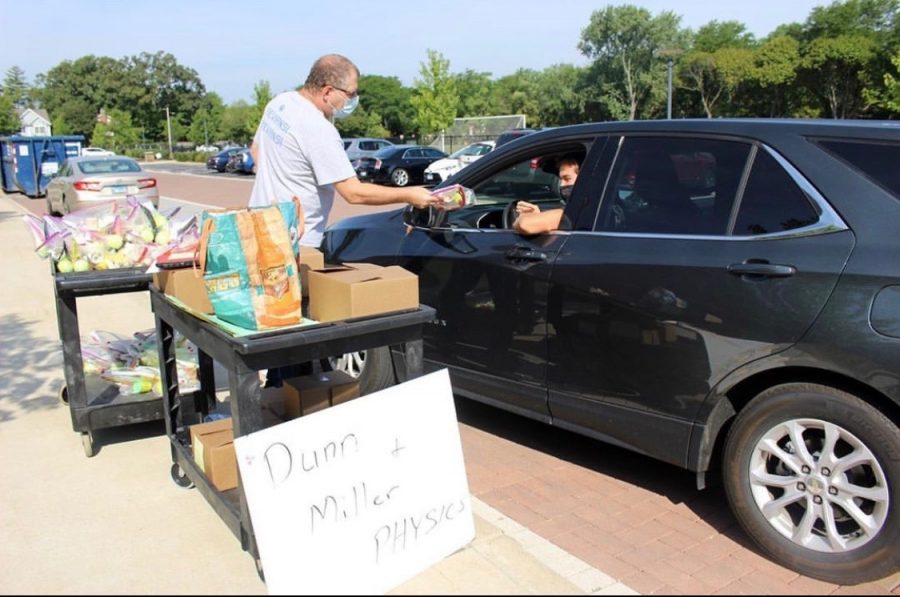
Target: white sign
(360,497)
(49,168)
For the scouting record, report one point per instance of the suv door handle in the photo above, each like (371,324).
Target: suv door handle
(761,268)
(525,254)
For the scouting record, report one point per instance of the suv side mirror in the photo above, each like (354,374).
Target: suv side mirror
(429,217)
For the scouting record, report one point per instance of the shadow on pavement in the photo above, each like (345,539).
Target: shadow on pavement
(673,483)
(30,369)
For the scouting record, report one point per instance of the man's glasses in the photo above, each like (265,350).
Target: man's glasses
(347,93)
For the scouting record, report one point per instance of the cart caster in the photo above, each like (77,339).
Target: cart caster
(63,394)
(87,442)
(180,478)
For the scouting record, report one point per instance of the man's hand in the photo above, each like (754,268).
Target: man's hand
(524,207)
(420,198)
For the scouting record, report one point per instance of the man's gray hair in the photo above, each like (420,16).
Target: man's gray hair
(330,69)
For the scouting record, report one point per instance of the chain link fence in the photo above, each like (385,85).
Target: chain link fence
(465,131)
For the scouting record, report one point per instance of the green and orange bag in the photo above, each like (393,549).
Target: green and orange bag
(248,259)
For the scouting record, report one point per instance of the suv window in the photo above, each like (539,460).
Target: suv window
(878,161)
(368,145)
(673,185)
(772,201)
(347,145)
(689,186)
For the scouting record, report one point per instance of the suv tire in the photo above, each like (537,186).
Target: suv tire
(830,508)
(373,368)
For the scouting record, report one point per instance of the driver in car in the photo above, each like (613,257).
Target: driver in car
(531,220)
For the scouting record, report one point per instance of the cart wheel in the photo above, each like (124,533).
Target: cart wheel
(180,478)
(87,442)
(64,394)
(259,570)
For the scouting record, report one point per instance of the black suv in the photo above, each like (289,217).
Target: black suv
(722,294)
(511,135)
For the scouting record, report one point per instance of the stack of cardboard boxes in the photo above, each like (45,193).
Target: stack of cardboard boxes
(213,442)
(335,293)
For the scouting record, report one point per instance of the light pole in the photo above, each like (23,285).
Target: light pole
(169,126)
(669,110)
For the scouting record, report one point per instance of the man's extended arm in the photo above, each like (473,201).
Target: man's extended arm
(356,192)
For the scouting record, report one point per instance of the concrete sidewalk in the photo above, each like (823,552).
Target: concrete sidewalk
(117,524)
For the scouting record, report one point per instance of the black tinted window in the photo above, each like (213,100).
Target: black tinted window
(772,201)
(664,185)
(368,145)
(878,161)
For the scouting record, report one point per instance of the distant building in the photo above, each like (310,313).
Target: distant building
(35,122)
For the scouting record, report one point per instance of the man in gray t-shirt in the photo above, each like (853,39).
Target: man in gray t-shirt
(298,152)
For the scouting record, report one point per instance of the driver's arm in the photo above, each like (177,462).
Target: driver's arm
(538,222)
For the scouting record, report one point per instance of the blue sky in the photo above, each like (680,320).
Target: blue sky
(233,45)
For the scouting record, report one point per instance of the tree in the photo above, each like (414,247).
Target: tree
(891,99)
(559,97)
(716,35)
(625,43)
(206,124)
(234,122)
(775,65)
(387,98)
(474,90)
(116,131)
(518,94)
(16,88)
(76,91)
(435,97)
(698,73)
(834,70)
(362,124)
(9,119)
(262,95)
(154,81)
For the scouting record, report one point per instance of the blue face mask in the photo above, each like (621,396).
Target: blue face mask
(349,107)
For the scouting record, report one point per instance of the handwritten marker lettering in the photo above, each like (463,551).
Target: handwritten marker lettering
(394,538)
(349,505)
(280,459)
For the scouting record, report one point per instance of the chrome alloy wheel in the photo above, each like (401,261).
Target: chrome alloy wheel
(819,486)
(352,363)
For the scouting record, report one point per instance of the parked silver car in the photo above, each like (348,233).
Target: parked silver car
(363,147)
(81,181)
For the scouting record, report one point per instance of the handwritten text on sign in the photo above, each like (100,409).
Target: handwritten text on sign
(360,497)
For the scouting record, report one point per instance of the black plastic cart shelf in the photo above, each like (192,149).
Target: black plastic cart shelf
(243,358)
(93,402)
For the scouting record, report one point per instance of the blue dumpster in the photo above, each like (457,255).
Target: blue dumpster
(28,163)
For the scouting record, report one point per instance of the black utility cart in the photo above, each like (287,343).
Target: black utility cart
(93,402)
(243,357)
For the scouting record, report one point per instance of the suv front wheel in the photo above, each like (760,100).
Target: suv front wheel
(812,475)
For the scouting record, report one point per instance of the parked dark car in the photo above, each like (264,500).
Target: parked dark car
(723,294)
(218,161)
(399,165)
(240,162)
(512,134)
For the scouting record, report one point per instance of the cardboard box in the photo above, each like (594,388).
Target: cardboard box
(186,285)
(309,259)
(213,447)
(311,393)
(360,289)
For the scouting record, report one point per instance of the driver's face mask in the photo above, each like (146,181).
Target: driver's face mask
(566,191)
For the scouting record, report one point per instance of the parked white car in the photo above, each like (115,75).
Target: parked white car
(96,151)
(442,169)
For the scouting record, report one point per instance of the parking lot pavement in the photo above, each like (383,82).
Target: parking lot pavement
(640,521)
